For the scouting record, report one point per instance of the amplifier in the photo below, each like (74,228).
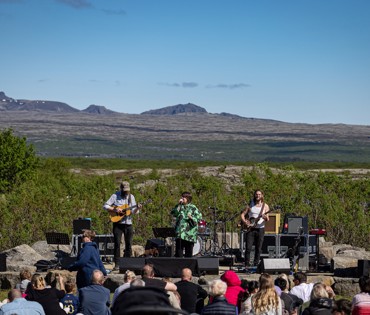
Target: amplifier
(105,244)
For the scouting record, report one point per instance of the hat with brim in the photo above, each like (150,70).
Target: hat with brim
(125,186)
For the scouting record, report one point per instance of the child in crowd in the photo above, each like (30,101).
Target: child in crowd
(25,276)
(70,300)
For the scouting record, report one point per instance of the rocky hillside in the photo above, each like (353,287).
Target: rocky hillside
(176,109)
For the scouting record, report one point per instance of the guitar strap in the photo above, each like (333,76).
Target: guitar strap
(263,206)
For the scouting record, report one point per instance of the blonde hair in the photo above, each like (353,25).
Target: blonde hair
(266,298)
(319,291)
(38,281)
(129,276)
(217,288)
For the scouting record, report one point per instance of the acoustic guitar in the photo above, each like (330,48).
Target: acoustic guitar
(126,211)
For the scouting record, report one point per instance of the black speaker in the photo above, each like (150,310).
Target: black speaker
(295,225)
(363,268)
(208,265)
(275,265)
(159,244)
(134,264)
(81,224)
(2,262)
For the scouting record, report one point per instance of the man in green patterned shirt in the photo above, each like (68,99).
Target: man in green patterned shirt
(187,217)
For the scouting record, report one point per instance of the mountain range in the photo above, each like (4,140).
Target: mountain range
(183,132)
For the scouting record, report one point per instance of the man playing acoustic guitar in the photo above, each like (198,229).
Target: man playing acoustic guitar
(253,223)
(120,206)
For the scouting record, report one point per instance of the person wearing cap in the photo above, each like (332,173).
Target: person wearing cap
(123,197)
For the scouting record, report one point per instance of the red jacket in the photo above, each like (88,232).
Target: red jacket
(234,291)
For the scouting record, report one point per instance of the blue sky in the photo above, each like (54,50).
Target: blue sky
(293,60)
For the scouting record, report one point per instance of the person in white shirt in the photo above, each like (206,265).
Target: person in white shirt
(301,288)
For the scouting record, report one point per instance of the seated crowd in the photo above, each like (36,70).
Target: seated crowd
(146,294)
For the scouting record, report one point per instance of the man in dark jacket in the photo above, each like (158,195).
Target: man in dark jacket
(219,305)
(192,294)
(87,261)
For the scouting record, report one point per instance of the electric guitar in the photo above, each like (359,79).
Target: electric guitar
(126,211)
(258,220)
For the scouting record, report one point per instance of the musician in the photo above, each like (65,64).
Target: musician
(124,198)
(187,217)
(253,219)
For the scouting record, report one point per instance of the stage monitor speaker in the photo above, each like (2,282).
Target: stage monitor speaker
(208,265)
(81,224)
(161,250)
(2,262)
(363,267)
(275,265)
(272,226)
(134,264)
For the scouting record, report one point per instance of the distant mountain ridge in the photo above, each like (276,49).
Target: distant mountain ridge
(11,104)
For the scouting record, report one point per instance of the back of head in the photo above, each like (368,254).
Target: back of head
(343,306)
(147,271)
(137,283)
(186,274)
(253,286)
(14,294)
(143,300)
(319,291)
(217,288)
(25,274)
(364,283)
(97,277)
(38,281)
(266,282)
(300,277)
(70,287)
(281,283)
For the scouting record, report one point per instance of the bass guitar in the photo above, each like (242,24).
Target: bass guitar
(125,211)
(258,220)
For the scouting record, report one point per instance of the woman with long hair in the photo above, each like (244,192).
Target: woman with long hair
(266,301)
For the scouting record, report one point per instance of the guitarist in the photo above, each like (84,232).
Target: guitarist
(253,218)
(124,226)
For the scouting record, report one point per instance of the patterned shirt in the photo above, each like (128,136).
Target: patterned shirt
(186,228)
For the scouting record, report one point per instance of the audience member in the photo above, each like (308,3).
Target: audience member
(144,301)
(234,293)
(361,301)
(173,296)
(94,298)
(266,301)
(147,275)
(20,306)
(87,261)
(246,305)
(192,294)
(286,278)
(291,301)
(48,297)
(127,279)
(320,303)
(301,288)
(342,307)
(25,276)
(219,304)
(70,301)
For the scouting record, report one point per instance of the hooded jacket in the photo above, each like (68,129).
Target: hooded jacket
(234,292)
(87,261)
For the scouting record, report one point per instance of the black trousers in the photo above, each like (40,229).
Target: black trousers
(254,236)
(181,245)
(127,231)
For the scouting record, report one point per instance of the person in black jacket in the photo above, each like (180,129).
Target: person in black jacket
(192,294)
(320,303)
(87,261)
(219,304)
